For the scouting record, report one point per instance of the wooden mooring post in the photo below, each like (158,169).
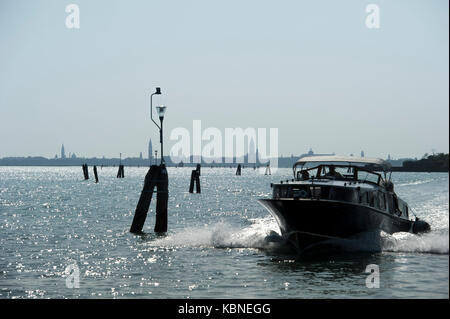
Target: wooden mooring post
(85,171)
(95,174)
(120,172)
(195,179)
(156,177)
(238,171)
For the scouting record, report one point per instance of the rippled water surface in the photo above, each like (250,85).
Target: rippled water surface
(215,247)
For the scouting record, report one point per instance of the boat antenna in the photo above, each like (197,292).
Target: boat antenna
(365,178)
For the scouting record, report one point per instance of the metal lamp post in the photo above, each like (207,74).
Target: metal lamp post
(156,177)
(161,110)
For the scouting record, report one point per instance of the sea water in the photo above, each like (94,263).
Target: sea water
(52,222)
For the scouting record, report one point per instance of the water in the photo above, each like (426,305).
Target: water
(215,248)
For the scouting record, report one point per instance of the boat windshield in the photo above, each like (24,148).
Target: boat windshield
(337,172)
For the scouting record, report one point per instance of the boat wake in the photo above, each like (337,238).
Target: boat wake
(434,242)
(416,183)
(264,234)
(430,243)
(221,235)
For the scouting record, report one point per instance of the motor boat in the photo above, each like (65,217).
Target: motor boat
(334,197)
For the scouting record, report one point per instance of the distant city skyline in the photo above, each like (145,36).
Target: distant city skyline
(248,160)
(311,69)
(138,153)
(251,150)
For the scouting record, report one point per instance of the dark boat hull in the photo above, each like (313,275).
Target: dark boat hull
(306,222)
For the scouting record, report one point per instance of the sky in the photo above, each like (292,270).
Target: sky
(312,69)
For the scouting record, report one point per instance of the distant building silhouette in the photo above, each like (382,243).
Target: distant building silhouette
(311,153)
(252,153)
(63,153)
(140,155)
(362,153)
(150,151)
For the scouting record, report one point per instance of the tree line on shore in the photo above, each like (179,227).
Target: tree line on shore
(429,162)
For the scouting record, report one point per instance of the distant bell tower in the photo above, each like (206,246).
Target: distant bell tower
(63,153)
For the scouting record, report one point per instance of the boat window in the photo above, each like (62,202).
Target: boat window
(364,198)
(276,193)
(301,192)
(382,200)
(367,177)
(315,192)
(334,172)
(283,192)
(303,175)
(390,201)
(371,199)
(341,194)
(324,192)
(397,207)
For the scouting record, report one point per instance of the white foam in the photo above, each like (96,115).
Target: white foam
(221,235)
(224,235)
(415,183)
(433,243)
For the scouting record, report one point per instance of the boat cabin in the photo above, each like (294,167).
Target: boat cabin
(353,180)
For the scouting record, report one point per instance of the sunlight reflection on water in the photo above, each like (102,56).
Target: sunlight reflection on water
(215,247)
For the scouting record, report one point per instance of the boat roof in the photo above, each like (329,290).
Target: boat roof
(351,160)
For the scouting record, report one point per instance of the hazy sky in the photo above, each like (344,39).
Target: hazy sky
(312,69)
